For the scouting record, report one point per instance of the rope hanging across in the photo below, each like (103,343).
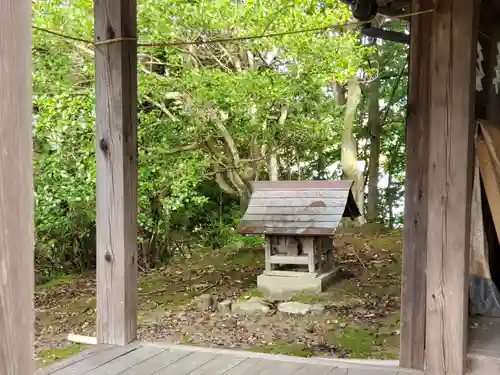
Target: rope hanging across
(222,40)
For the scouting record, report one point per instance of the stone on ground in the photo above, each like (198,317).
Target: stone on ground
(296,308)
(224,307)
(253,305)
(317,308)
(206,302)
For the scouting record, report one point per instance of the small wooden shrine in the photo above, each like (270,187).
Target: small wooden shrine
(298,219)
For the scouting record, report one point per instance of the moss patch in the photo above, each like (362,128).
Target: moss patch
(380,341)
(47,356)
(284,347)
(250,293)
(57,282)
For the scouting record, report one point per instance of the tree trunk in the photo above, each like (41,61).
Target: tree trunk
(273,168)
(273,158)
(349,157)
(390,199)
(374,159)
(244,201)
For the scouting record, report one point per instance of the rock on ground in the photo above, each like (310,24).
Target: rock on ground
(250,306)
(297,308)
(224,307)
(206,302)
(317,308)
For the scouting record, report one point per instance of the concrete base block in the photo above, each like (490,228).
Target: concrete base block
(279,284)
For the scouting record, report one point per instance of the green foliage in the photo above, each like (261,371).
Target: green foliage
(210,116)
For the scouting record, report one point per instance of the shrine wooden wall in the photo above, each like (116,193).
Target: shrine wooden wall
(440,135)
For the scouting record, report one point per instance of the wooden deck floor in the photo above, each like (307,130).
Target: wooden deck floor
(149,359)
(484,346)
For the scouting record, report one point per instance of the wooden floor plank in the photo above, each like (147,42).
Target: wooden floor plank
(315,370)
(257,366)
(388,371)
(84,354)
(120,364)
(99,359)
(219,365)
(281,368)
(187,364)
(249,366)
(156,363)
(338,371)
(147,359)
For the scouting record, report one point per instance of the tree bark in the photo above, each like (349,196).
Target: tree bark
(273,167)
(273,158)
(374,158)
(349,158)
(390,200)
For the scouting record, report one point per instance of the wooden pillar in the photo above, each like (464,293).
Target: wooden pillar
(16,190)
(450,174)
(116,112)
(413,296)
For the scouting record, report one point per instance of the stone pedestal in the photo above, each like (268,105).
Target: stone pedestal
(281,284)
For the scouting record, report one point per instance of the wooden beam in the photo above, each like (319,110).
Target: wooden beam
(413,294)
(16,190)
(116,112)
(450,167)
(282,259)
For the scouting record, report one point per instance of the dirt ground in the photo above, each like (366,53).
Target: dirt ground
(360,320)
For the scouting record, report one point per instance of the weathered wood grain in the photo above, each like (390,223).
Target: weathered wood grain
(451,134)
(290,210)
(306,185)
(156,363)
(116,117)
(292,231)
(332,219)
(339,371)
(283,207)
(268,253)
(93,362)
(83,355)
(490,181)
(282,368)
(221,365)
(124,362)
(250,366)
(416,188)
(315,370)
(372,372)
(185,360)
(278,259)
(299,202)
(291,224)
(484,346)
(491,135)
(16,190)
(340,195)
(188,364)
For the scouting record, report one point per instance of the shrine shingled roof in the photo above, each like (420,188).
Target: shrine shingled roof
(298,207)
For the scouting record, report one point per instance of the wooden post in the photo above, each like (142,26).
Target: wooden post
(450,171)
(16,190)
(415,220)
(116,112)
